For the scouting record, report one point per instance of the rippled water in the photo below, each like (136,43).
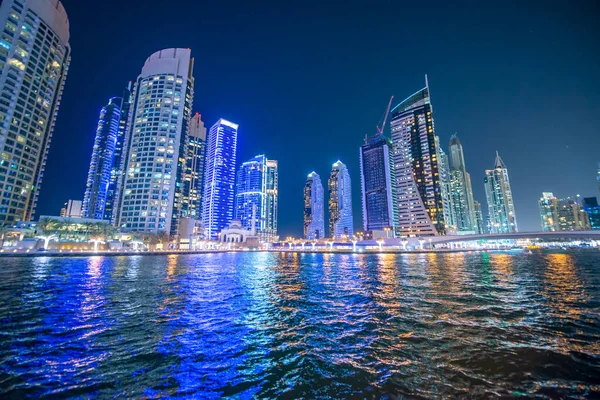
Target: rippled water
(301,325)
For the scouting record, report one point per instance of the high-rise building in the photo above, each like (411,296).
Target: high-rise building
(71,209)
(417,170)
(501,208)
(191,206)
(571,217)
(479,218)
(341,222)
(314,219)
(155,144)
(256,198)
(219,177)
(34,60)
(590,205)
(598,176)
(548,205)
(445,181)
(463,203)
(378,189)
(98,200)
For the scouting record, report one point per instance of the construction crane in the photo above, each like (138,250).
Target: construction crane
(387,112)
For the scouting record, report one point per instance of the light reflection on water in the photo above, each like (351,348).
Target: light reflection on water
(301,325)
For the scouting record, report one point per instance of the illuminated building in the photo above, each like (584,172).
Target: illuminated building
(340,202)
(378,190)
(479,218)
(314,219)
(72,209)
(462,190)
(34,60)
(219,177)
(191,206)
(548,205)
(104,171)
(501,208)
(155,144)
(446,189)
(571,217)
(416,165)
(590,205)
(256,198)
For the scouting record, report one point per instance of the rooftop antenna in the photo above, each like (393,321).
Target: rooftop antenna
(426,81)
(387,112)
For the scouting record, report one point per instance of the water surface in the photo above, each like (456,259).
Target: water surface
(301,325)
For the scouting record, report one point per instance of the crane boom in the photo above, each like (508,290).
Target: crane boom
(387,112)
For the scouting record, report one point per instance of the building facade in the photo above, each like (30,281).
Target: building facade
(34,61)
(98,200)
(446,188)
(155,144)
(194,170)
(219,178)
(463,203)
(417,169)
(379,208)
(341,222)
(501,208)
(571,216)
(548,205)
(590,205)
(257,197)
(314,208)
(481,229)
(72,209)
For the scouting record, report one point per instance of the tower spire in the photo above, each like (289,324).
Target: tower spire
(426,81)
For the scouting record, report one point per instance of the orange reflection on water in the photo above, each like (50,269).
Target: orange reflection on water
(565,289)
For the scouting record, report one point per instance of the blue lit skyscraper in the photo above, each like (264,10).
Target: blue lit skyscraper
(340,202)
(219,177)
(104,171)
(378,185)
(314,208)
(257,191)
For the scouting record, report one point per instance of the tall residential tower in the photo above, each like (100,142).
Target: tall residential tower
(340,202)
(194,170)
(461,190)
(34,60)
(314,219)
(152,190)
(501,208)
(219,177)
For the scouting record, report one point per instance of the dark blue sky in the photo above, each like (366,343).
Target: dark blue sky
(306,82)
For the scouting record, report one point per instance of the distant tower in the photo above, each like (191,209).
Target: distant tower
(479,218)
(219,177)
(155,144)
(191,206)
(598,176)
(340,202)
(256,198)
(548,205)
(417,169)
(314,220)
(463,203)
(501,208)
(104,171)
(34,60)
(445,186)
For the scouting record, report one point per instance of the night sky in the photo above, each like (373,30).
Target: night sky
(307,82)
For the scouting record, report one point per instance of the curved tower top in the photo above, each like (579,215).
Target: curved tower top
(52,13)
(174,60)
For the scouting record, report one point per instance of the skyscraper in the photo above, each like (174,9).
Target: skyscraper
(461,189)
(314,219)
(257,193)
(446,188)
(194,170)
(155,144)
(416,164)
(98,201)
(590,205)
(501,208)
(548,205)
(219,177)
(479,218)
(340,202)
(379,207)
(571,217)
(34,60)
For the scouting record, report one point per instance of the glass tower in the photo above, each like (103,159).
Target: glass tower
(341,223)
(590,205)
(156,140)
(98,200)
(219,177)
(417,167)
(548,205)
(571,217)
(446,190)
(378,185)
(479,218)
(314,220)
(501,208)
(461,190)
(34,60)
(194,170)
(256,198)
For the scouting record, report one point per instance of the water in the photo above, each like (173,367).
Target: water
(301,326)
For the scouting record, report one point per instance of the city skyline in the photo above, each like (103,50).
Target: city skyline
(525,196)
